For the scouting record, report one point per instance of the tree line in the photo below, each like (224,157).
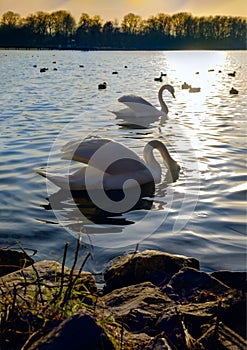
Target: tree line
(162,31)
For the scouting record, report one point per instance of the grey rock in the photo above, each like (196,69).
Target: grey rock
(138,306)
(193,285)
(48,273)
(149,265)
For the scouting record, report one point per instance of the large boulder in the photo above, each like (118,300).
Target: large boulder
(150,265)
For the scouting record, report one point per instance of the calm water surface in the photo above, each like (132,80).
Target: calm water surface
(202,214)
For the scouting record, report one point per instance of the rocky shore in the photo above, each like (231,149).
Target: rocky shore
(150,300)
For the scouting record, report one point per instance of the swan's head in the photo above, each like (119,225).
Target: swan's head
(169,88)
(172,166)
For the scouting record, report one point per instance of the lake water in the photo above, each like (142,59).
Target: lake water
(202,214)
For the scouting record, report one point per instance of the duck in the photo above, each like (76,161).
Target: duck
(233,74)
(233,91)
(139,107)
(159,79)
(194,89)
(102,86)
(111,165)
(42,70)
(185,86)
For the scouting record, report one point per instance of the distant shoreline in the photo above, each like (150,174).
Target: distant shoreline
(120,49)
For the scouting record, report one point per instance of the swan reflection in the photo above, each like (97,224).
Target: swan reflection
(77,209)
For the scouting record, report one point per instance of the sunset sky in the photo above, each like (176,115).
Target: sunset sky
(116,9)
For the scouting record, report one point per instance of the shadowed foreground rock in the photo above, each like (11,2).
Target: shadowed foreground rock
(76,333)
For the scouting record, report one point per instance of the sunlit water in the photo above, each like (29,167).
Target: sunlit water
(202,214)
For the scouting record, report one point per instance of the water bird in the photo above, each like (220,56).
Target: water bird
(124,165)
(159,79)
(102,86)
(233,91)
(210,70)
(42,70)
(185,86)
(233,74)
(194,89)
(81,66)
(139,107)
(125,66)
(35,66)
(115,72)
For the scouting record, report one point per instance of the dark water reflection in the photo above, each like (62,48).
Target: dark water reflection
(70,201)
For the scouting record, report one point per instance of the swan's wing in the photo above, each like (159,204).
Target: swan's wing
(129,99)
(140,106)
(125,113)
(105,155)
(82,151)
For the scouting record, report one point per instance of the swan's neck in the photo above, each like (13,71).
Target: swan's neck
(152,163)
(154,166)
(163,105)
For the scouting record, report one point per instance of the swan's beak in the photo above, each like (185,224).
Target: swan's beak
(173,95)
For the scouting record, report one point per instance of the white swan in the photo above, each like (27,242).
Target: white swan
(139,107)
(110,164)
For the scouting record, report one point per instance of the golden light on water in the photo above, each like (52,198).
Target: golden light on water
(206,72)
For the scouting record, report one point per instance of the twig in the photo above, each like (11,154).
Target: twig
(39,286)
(63,265)
(73,281)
